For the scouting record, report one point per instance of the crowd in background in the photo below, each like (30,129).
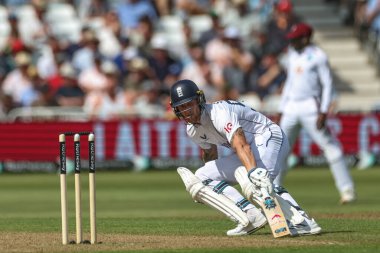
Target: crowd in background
(119,57)
(115,57)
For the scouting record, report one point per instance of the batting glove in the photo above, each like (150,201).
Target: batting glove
(260,178)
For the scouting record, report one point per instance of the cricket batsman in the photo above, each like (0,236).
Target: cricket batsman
(260,150)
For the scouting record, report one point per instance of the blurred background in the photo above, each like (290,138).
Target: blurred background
(107,66)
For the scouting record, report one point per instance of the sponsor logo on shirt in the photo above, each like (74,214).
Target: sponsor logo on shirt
(204,137)
(228,127)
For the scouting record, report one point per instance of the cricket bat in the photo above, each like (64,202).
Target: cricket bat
(274,214)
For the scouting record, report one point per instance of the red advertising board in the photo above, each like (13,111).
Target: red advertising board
(124,140)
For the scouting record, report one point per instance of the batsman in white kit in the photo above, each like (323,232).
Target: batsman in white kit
(305,102)
(260,150)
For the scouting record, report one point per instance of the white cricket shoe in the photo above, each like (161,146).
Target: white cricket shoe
(307,227)
(256,221)
(347,196)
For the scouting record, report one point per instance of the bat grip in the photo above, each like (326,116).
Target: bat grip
(265,193)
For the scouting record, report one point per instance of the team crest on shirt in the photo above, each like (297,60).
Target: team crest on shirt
(228,127)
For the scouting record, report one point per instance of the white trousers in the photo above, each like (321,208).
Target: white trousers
(270,150)
(292,122)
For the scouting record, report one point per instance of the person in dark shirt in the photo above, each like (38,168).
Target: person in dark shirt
(69,94)
(280,24)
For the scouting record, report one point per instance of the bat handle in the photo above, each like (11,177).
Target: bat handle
(265,193)
(268,199)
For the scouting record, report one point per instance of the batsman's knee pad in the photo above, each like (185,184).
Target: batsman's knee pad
(204,194)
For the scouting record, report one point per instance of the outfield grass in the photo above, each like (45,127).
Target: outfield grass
(152,212)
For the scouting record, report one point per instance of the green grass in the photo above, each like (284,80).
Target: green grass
(156,205)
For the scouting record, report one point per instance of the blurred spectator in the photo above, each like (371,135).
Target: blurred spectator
(37,94)
(163,7)
(6,101)
(112,22)
(279,25)
(263,8)
(198,69)
(218,54)
(142,35)
(361,25)
(109,102)
(139,73)
(180,48)
(108,34)
(269,77)
(50,59)
(186,8)
(14,44)
(373,15)
(213,32)
(71,47)
(33,29)
(260,44)
(236,73)
(69,94)
(188,32)
(149,103)
(12,4)
(89,9)
(127,52)
(18,80)
(15,41)
(130,12)
(347,11)
(6,105)
(166,68)
(241,17)
(93,79)
(83,58)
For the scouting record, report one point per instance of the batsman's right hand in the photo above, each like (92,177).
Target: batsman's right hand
(260,178)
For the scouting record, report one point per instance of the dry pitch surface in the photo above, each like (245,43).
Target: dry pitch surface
(50,242)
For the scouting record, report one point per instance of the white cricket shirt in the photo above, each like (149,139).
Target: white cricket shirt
(308,76)
(220,120)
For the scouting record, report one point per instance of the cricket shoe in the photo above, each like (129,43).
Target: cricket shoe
(256,221)
(347,196)
(307,227)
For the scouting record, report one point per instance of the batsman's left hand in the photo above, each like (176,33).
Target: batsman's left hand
(260,178)
(321,121)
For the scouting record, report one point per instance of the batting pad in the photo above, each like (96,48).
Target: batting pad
(206,195)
